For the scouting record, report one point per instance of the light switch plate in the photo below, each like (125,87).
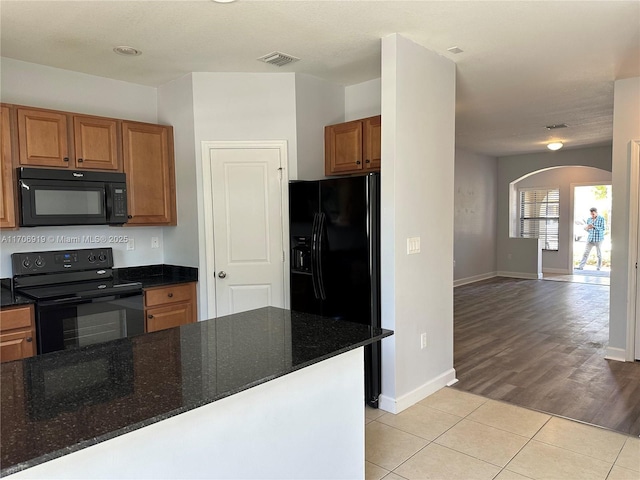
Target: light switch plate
(413,245)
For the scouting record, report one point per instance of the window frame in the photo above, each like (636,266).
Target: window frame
(546,236)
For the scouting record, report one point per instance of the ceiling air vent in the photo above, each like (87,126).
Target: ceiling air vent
(559,125)
(278,59)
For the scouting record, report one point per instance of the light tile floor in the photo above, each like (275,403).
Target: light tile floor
(456,435)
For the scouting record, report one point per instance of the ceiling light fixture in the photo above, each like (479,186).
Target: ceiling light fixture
(127,51)
(223,1)
(455,50)
(555,146)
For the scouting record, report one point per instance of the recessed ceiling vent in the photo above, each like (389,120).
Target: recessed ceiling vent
(559,125)
(278,59)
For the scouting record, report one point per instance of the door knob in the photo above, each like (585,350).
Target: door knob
(222,274)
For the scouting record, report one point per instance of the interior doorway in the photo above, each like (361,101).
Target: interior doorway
(586,197)
(246,204)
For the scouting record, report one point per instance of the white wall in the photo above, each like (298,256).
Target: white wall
(318,103)
(26,83)
(175,107)
(626,128)
(39,86)
(418,108)
(563,178)
(475,202)
(363,100)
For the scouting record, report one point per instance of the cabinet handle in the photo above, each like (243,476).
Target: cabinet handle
(80,160)
(150,317)
(357,162)
(129,216)
(66,159)
(368,161)
(29,339)
(170,295)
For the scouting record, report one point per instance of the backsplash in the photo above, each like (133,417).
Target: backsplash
(61,238)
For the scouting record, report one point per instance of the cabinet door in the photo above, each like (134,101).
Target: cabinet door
(17,344)
(42,138)
(343,148)
(7,203)
(149,165)
(96,143)
(371,142)
(17,333)
(159,318)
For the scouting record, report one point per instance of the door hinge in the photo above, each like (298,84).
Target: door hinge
(280,169)
(283,255)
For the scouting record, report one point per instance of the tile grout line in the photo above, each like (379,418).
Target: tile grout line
(505,467)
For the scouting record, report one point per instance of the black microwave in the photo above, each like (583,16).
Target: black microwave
(70,197)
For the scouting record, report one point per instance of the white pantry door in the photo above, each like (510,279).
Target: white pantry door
(248,215)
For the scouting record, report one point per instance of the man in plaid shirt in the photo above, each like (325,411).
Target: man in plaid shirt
(595,227)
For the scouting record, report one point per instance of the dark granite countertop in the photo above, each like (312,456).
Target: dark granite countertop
(105,390)
(8,299)
(157,275)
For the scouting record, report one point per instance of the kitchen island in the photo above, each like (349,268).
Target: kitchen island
(267,393)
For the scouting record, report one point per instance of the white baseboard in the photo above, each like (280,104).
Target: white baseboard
(473,279)
(397,405)
(527,276)
(618,354)
(560,271)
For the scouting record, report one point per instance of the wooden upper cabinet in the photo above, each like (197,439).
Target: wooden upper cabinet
(7,199)
(353,147)
(43,138)
(343,148)
(96,143)
(57,139)
(372,142)
(149,166)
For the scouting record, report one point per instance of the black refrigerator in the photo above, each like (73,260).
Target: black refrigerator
(335,256)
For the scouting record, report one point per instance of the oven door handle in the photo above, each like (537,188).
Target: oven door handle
(92,297)
(60,301)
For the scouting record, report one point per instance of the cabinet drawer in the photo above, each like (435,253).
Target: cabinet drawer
(17,344)
(160,318)
(15,318)
(168,295)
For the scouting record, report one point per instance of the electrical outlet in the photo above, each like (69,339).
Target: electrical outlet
(423,341)
(155,243)
(131,244)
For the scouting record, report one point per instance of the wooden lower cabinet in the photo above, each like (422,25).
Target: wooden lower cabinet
(170,306)
(17,333)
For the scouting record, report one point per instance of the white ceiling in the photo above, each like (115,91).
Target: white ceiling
(524,65)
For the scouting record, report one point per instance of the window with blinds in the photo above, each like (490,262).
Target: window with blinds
(540,215)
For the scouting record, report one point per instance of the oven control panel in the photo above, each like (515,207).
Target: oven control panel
(28,263)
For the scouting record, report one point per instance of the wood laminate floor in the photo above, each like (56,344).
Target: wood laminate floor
(541,345)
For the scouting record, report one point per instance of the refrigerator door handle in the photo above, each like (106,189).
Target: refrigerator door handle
(321,228)
(314,255)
